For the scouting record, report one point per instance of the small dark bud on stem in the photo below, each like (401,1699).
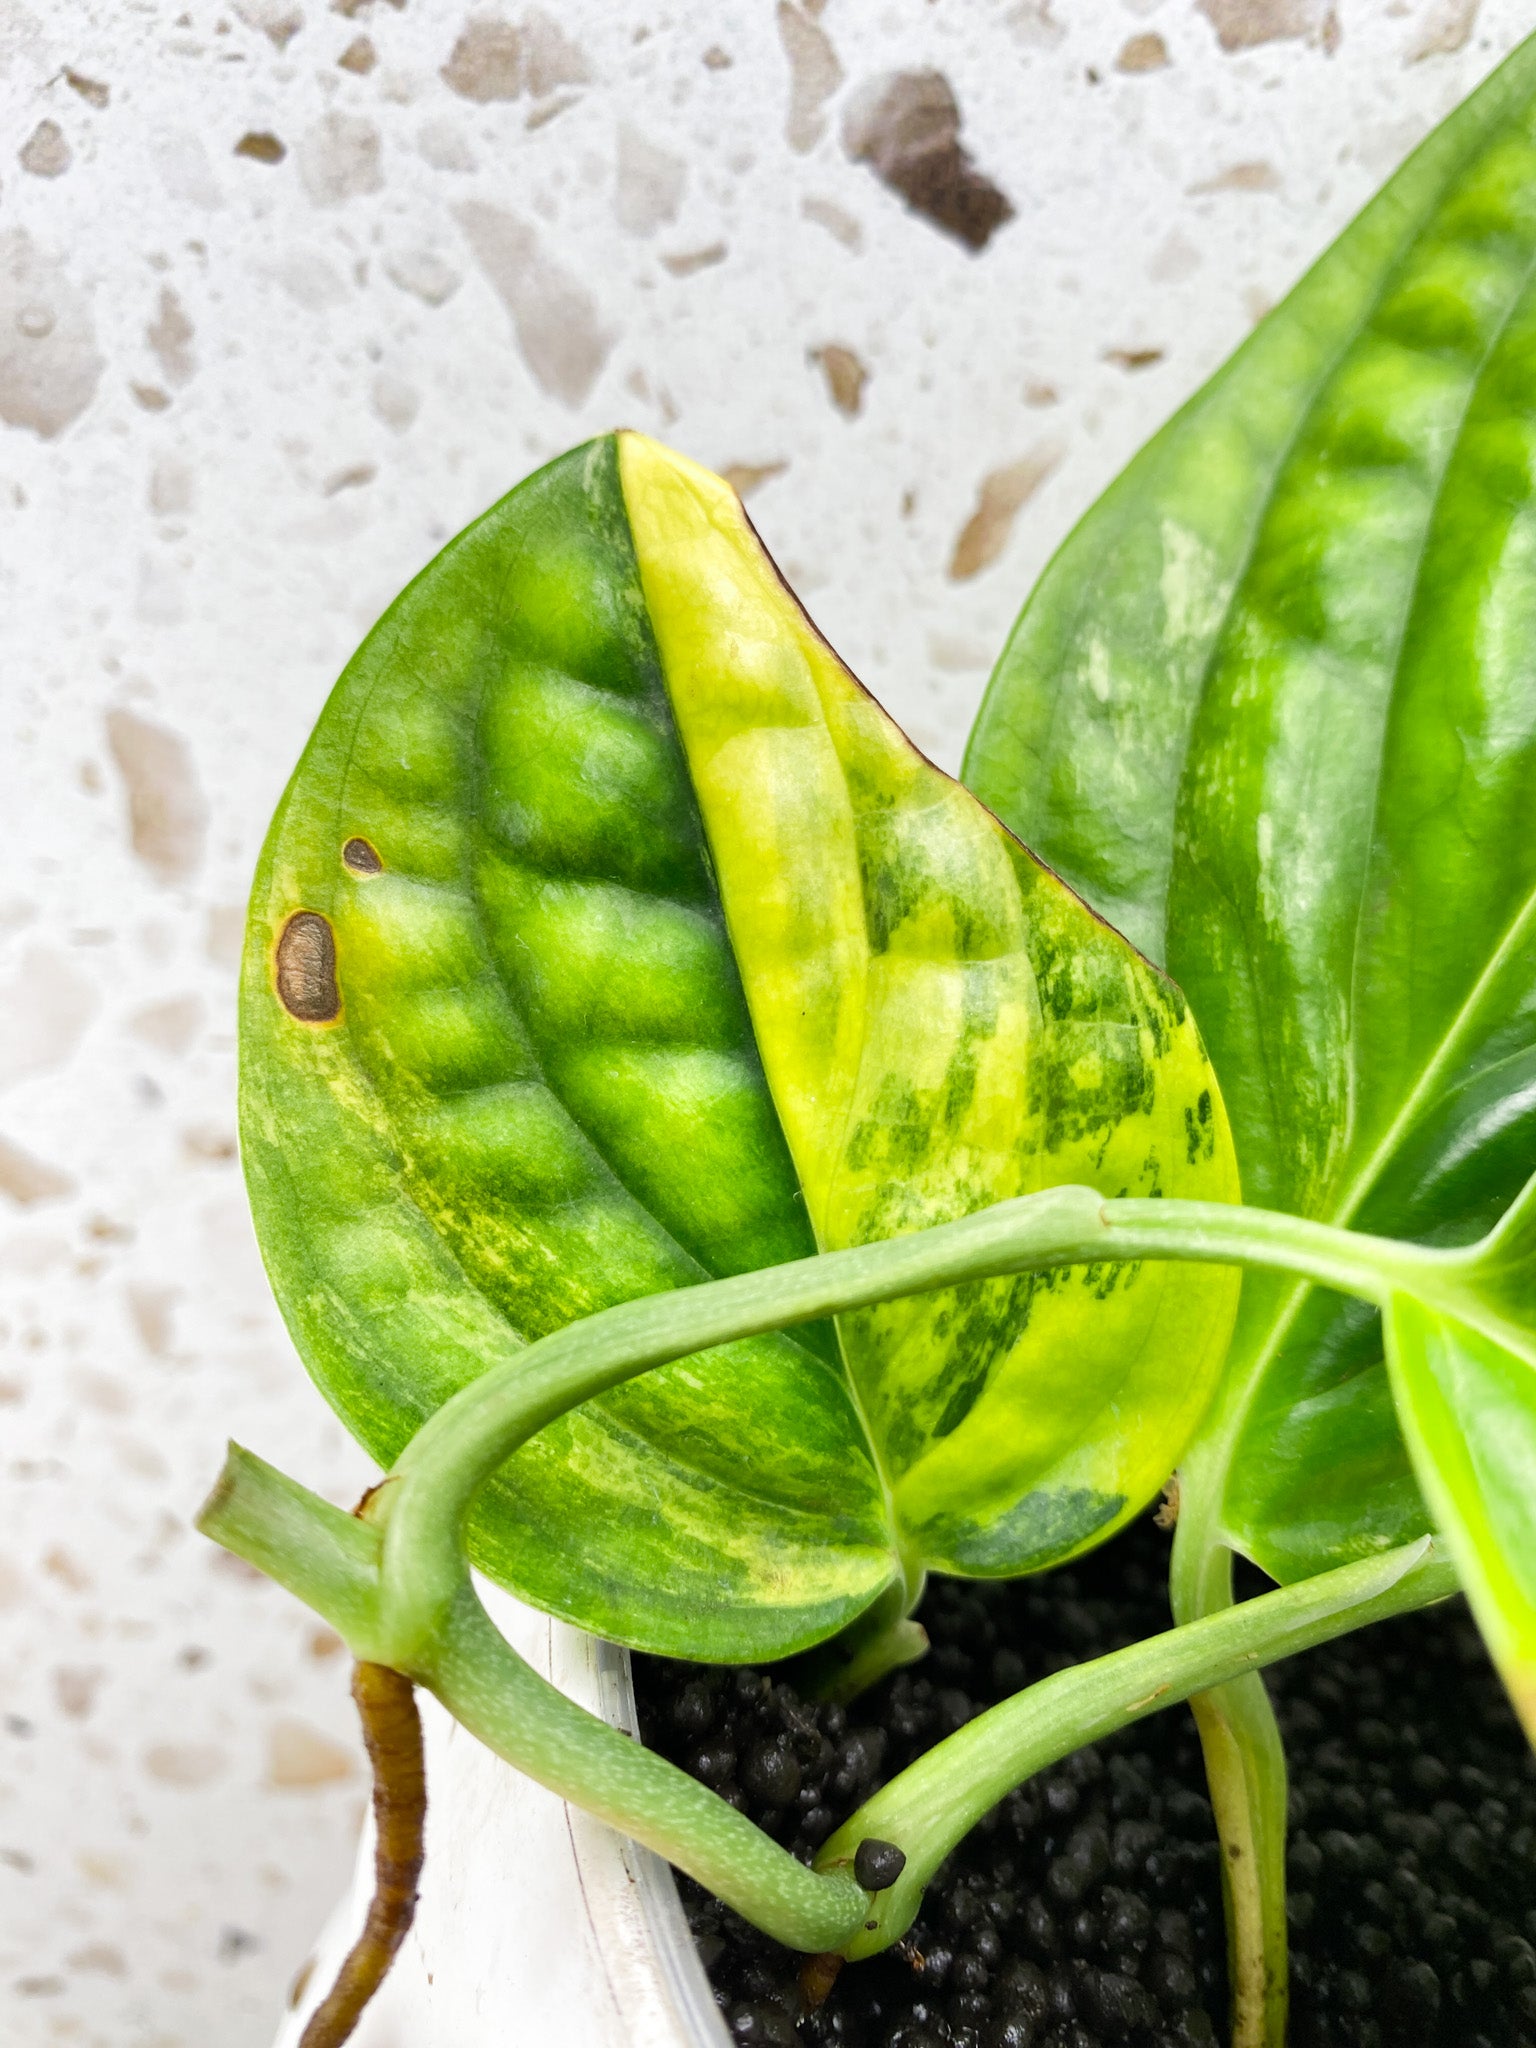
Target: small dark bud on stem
(877,1864)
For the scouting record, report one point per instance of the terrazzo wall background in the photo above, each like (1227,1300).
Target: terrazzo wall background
(288,292)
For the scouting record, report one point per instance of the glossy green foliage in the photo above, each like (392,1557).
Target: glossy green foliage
(1273,710)
(507,1058)
(1465,1384)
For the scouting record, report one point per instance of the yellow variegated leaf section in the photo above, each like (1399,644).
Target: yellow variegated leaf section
(942,1024)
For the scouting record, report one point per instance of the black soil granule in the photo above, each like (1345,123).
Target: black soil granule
(1085,1910)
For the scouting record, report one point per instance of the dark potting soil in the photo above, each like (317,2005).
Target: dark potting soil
(1085,1910)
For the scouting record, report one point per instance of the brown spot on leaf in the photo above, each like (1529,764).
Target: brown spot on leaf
(27,1180)
(1253,176)
(746,477)
(169,334)
(486,62)
(1244,24)
(564,342)
(46,153)
(999,501)
(906,127)
(814,75)
(1133,358)
(306,969)
(49,365)
(1143,53)
(362,858)
(845,374)
(261,146)
(167,817)
(359,57)
(90,90)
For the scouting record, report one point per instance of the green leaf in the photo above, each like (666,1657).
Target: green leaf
(510,1053)
(1466,1392)
(1271,709)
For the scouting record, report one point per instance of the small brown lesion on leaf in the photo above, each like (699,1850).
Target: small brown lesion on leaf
(362,858)
(306,969)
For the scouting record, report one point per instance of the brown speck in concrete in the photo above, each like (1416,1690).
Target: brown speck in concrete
(649,183)
(550,58)
(98,1958)
(1445,29)
(424,275)
(486,62)
(814,75)
(906,127)
(444,148)
(305,969)
(845,374)
(224,933)
(396,402)
(151,1309)
(359,57)
(1133,358)
(1041,394)
(46,153)
(27,1180)
(150,397)
(564,341)
(687,261)
(169,1027)
(323,1643)
(208,1146)
(549,110)
(170,334)
(716,59)
(170,488)
(746,477)
(361,858)
(91,90)
(839,224)
(299,1758)
(167,818)
(350,479)
(261,146)
(1143,53)
(75,1687)
(1244,24)
(1254,176)
(278,20)
(184,1764)
(1002,496)
(59,1564)
(339,159)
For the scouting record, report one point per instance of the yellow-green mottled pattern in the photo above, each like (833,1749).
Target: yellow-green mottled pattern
(942,1025)
(539,1095)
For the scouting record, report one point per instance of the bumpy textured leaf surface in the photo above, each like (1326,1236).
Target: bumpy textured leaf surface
(1273,710)
(499,1070)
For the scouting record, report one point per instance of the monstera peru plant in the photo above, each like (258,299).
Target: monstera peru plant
(723,1175)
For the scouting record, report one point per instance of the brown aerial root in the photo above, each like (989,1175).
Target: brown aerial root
(386,1705)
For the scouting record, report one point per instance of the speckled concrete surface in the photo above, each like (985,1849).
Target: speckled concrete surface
(288,292)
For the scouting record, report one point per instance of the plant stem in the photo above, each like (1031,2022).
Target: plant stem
(936,1800)
(396,1583)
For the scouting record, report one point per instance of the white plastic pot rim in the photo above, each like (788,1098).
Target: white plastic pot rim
(536,1922)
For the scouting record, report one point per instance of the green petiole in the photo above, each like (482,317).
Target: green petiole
(395,1581)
